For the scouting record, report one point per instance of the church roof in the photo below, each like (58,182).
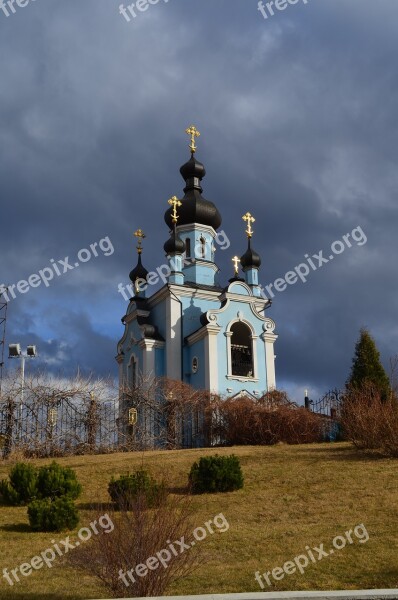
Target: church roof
(250,258)
(194,208)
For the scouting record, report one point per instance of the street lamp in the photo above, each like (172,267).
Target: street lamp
(14,351)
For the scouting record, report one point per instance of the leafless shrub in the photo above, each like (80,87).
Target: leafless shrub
(370,422)
(138,535)
(242,421)
(169,414)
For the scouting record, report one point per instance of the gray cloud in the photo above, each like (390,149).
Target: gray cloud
(298,120)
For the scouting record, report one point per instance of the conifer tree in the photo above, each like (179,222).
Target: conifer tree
(366,365)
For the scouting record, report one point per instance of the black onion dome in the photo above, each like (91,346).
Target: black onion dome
(139,272)
(250,258)
(174,245)
(195,208)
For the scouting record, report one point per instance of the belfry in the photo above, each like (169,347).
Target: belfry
(213,336)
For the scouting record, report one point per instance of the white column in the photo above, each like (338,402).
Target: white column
(148,357)
(228,335)
(211,358)
(269,339)
(255,358)
(173,339)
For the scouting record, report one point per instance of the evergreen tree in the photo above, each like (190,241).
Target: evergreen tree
(366,365)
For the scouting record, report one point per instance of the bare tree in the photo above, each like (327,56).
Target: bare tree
(141,537)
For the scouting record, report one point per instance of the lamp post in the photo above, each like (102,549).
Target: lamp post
(14,351)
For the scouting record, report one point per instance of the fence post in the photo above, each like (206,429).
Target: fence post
(92,422)
(10,419)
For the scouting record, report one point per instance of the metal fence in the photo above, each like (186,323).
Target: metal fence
(56,428)
(328,407)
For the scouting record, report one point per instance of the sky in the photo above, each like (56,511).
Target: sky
(298,119)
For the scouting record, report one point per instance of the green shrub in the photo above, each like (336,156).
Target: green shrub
(128,489)
(216,474)
(54,481)
(53,515)
(22,485)
(27,483)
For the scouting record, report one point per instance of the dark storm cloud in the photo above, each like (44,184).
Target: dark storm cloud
(298,120)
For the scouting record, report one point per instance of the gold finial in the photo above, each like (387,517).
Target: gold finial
(193,132)
(140,235)
(236,262)
(174,202)
(249,220)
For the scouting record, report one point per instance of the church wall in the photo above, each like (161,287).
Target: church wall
(193,309)
(229,386)
(198,379)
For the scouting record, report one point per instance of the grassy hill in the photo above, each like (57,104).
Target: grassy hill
(294,496)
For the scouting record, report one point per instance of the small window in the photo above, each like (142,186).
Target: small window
(202,247)
(195,364)
(187,247)
(241,350)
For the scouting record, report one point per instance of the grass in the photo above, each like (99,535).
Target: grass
(294,496)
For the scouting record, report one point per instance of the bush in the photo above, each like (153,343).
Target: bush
(270,420)
(54,481)
(53,515)
(140,485)
(137,535)
(216,474)
(21,487)
(27,483)
(370,421)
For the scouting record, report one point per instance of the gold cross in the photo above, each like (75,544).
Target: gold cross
(174,202)
(193,132)
(140,235)
(249,220)
(236,262)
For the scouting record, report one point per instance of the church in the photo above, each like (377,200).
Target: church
(196,329)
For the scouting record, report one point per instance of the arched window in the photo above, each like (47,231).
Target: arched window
(202,247)
(241,350)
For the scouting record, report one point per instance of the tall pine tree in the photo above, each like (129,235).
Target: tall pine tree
(366,365)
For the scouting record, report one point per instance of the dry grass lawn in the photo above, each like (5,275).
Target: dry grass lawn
(294,496)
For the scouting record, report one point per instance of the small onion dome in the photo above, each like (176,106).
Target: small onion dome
(193,168)
(174,245)
(139,272)
(250,258)
(195,208)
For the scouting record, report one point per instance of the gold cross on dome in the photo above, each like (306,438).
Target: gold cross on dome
(193,132)
(249,220)
(174,202)
(140,235)
(236,262)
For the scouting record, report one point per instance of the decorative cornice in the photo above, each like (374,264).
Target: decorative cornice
(241,378)
(202,333)
(146,343)
(136,313)
(191,226)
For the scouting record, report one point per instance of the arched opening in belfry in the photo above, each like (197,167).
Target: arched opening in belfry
(241,350)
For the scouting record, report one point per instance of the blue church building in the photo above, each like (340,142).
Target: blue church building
(211,335)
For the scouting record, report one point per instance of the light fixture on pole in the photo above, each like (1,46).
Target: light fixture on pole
(14,351)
